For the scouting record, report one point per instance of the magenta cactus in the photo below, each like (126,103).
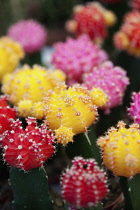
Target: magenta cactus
(77,56)
(134,109)
(112,79)
(30,33)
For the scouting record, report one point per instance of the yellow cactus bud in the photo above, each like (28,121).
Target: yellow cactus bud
(99,97)
(31,83)
(64,135)
(71,108)
(121,150)
(110,18)
(24,108)
(6,41)
(8,61)
(59,75)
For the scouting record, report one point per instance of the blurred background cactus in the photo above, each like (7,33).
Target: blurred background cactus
(69,104)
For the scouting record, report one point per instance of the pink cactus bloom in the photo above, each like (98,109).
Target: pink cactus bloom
(134,110)
(77,56)
(31,34)
(112,79)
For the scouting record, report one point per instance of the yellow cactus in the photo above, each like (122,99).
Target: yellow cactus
(7,42)
(8,61)
(38,110)
(31,84)
(99,97)
(64,135)
(121,150)
(25,107)
(71,108)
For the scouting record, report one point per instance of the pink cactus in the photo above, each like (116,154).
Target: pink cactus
(29,148)
(134,110)
(111,79)
(31,35)
(77,56)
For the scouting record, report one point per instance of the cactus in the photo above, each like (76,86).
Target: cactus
(133,110)
(113,81)
(27,148)
(70,57)
(84,184)
(28,86)
(85,22)
(128,37)
(120,149)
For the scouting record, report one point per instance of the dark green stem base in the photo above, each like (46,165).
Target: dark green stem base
(134,185)
(127,193)
(30,189)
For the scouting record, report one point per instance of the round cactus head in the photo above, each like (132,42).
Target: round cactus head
(30,34)
(84,184)
(121,149)
(27,148)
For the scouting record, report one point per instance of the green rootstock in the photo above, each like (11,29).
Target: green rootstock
(134,187)
(30,189)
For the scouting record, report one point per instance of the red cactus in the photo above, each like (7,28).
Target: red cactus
(7,115)
(91,21)
(84,184)
(29,148)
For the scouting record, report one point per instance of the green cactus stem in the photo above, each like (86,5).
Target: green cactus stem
(86,144)
(134,186)
(30,189)
(98,207)
(129,199)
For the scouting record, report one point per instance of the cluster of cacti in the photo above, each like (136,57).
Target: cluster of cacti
(46,113)
(91,19)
